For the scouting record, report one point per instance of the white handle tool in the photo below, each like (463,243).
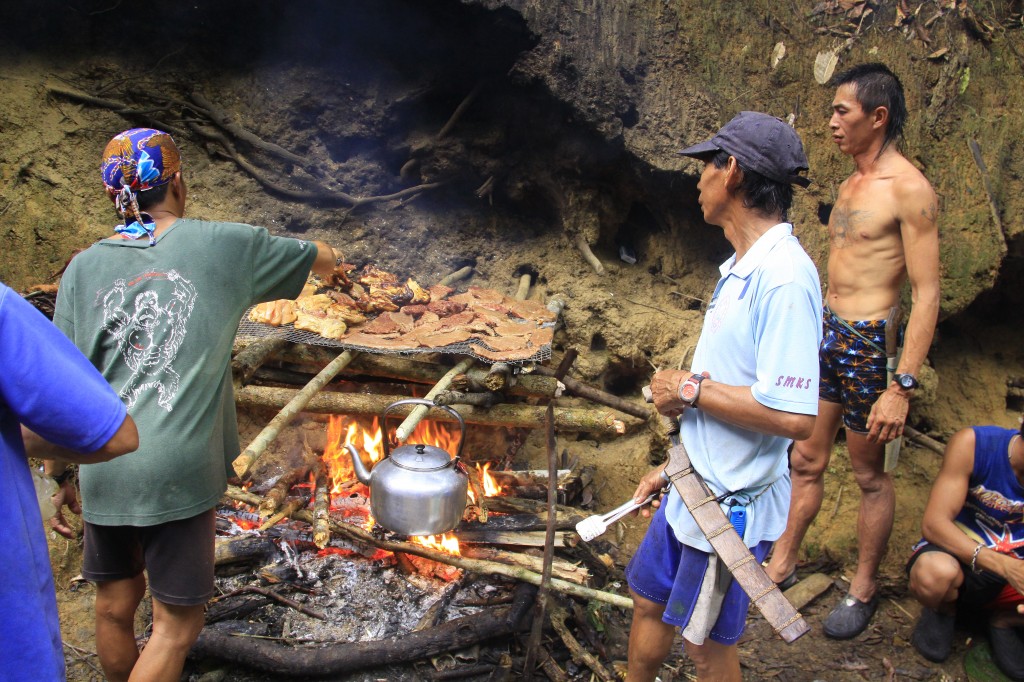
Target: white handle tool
(593,526)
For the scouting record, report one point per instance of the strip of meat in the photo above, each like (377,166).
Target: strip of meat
(446,308)
(274,313)
(371,276)
(442,338)
(419,294)
(327,327)
(531,310)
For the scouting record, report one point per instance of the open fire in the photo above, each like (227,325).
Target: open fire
(367,437)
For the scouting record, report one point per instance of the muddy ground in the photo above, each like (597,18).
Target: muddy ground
(368,96)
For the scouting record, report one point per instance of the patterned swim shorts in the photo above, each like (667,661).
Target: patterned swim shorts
(852,366)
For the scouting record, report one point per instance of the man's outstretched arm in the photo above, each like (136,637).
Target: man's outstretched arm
(920,234)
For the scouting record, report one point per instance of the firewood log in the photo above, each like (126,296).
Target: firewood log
(528,416)
(242,549)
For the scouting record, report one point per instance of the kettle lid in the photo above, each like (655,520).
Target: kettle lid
(421,457)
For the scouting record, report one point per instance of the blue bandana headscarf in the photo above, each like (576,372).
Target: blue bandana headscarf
(134,161)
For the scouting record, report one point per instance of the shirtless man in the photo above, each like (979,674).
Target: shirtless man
(883,231)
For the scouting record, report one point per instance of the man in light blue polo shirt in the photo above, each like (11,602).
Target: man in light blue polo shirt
(752,390)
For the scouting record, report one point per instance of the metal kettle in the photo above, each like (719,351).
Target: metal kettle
(417,489)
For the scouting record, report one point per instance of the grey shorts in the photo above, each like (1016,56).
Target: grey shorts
(177,556)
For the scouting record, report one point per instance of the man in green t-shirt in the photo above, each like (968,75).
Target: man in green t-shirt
(155,308)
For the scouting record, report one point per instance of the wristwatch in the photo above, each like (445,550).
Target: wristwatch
(63,476)
(906,381)
(689,390)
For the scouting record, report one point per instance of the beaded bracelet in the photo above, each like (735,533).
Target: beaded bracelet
(974,558)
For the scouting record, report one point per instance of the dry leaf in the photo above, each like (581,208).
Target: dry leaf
(824,66)
(938,54)
(778,53)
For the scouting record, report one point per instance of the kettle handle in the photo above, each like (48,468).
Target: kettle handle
(427,403)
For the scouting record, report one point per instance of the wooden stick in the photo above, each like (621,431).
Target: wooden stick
(270,594)
(578,388)
(993,206)
(247,361)
(241,549)
(485,399)
(930,443)
(285,512)
(579,653)
(550,667)
(567,419)
(279,492)
(321,509)
(517,522)
(477,483)
(499,376)
(356,534)
(560,568)
(584,248)
(460,274)
(433,614)
(243,463)
(521,538)
(417,414)
(549,546)
(466,383)
(515,505)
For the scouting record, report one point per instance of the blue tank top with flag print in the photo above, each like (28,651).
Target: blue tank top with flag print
(994,510)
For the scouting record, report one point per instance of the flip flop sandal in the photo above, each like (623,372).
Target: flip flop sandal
(933,635)
(1008,651)
(850,617)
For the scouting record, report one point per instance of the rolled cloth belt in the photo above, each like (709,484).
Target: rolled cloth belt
(762,590)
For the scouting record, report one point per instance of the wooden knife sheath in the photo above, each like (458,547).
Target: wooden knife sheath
(761,589)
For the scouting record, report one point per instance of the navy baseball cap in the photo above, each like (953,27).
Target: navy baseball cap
(761,143)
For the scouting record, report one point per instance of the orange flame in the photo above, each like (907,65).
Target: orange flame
(367,437)
(447,543)
(491,487)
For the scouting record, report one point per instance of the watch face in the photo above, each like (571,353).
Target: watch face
(907,381)
(689,391)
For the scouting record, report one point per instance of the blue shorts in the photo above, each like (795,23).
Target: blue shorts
(668,572)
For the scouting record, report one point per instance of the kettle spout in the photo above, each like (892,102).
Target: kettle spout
(362,473)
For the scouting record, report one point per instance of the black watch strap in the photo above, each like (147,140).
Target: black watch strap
(64,476)
(906,381)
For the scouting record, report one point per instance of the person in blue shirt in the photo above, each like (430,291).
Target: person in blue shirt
(751,390)
(53,404)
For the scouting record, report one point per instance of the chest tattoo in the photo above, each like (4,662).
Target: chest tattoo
(843,225)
